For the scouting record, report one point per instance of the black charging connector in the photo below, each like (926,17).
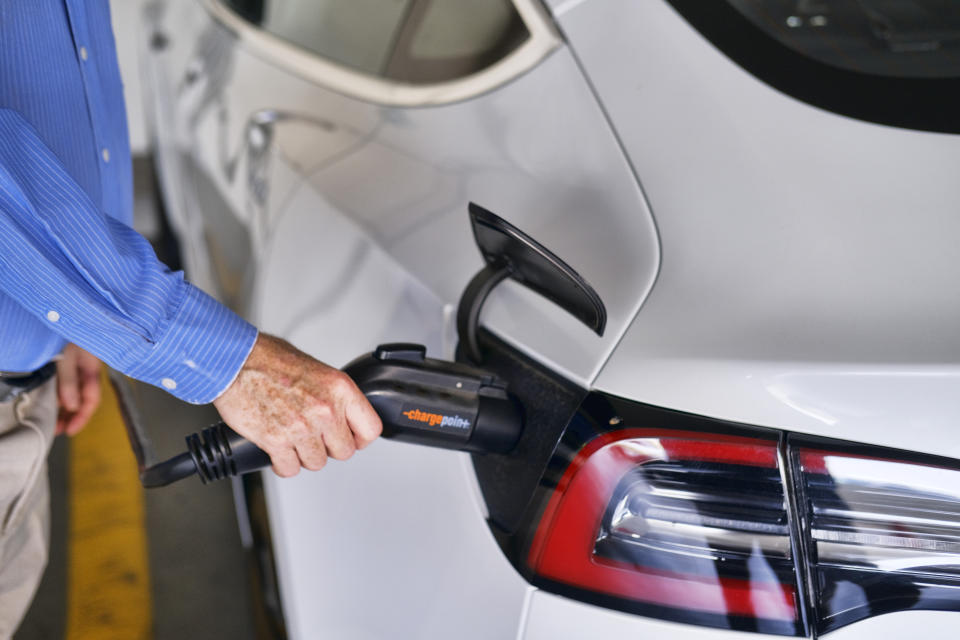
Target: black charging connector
(422,400)
(435,402)
(215,453)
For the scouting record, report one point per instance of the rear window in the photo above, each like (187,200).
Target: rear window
(898,38)
(894,62)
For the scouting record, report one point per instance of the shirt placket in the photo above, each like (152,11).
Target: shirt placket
(86,49)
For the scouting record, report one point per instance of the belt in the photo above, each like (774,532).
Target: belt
(12,385)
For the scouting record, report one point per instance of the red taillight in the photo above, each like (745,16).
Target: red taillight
(724,525)
(691,521)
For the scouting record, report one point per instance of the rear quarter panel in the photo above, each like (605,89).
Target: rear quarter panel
(353,230)
(810,277)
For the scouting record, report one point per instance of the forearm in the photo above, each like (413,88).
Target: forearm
(98,283)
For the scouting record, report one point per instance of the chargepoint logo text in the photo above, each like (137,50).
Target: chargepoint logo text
(435,419)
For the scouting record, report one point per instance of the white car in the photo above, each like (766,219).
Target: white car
(764,197)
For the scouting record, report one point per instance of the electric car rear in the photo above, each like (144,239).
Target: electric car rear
(761,194)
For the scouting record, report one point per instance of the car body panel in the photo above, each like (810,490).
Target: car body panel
(810,277)
(397,528)
(339,224)
(373,277)
(498,149)
(392,540)
(550,616)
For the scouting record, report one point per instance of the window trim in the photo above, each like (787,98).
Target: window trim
(543,40)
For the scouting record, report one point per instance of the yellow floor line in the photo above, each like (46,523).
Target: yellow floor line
(108,584)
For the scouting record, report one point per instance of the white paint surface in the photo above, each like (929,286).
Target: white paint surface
(129,33)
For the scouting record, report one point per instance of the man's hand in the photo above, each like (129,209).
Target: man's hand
(297,409)
(78,389)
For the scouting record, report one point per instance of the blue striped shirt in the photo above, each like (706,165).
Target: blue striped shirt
(71,268)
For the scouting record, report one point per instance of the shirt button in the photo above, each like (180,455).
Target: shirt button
(169,383)
(53,316)
(83,53)
(105,154)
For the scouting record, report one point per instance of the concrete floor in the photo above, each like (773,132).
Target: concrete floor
(198,569)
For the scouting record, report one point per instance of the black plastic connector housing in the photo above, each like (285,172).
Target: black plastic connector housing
(436,402)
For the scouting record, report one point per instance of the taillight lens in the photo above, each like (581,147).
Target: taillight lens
(692,525)
(885,535)
(730,526)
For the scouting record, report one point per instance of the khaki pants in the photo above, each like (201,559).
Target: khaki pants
(27,425)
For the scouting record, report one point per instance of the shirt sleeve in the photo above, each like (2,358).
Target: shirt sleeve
(98,283)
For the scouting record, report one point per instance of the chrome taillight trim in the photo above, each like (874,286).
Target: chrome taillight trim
(793,490)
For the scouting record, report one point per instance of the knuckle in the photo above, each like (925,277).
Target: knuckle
(277,444)
(369,432)
(273,443)
(342,451)
(297,431)
(313,455)
(363,440)
(285,471)
(315,464)
(322,411)
(340,383)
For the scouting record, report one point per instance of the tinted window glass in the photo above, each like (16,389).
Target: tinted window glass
(902,38)
(893,62)
(417,41)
